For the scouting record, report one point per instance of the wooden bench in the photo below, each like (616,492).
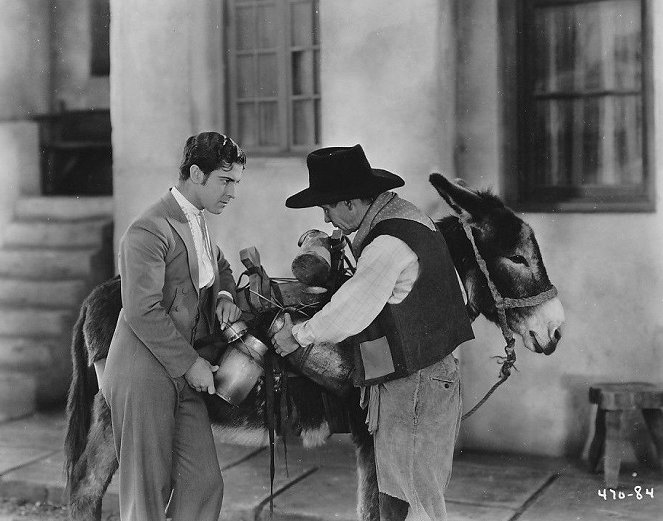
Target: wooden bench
(616,405)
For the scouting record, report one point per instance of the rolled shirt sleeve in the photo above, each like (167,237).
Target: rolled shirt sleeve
(226,294)
(386,272)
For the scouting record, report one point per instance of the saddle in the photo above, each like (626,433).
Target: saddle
(263,298)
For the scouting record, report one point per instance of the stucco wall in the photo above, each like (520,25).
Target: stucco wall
(389,87)
(165,86)
(607,268)
(45,51)
(150,115)
(73,85)
(392,87)
(24,84)
(388,83)
(402,113)
(25,58)
(19,165)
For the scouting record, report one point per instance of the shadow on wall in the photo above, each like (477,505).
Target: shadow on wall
(580,415)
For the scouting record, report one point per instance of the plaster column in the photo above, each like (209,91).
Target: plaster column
(164,88)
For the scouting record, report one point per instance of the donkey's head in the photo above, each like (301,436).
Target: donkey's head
(513,259)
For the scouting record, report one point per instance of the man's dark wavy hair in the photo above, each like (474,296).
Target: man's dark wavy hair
(210,151)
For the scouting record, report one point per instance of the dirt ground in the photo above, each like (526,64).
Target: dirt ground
(13,509)
(16,510)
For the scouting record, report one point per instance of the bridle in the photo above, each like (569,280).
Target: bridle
(502,304)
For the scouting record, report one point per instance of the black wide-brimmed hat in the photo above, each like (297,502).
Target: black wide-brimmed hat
(339,174)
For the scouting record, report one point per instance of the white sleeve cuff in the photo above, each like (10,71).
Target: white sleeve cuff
(302,334)
(224,293)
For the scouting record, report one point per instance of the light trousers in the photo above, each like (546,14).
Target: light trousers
(163,442)
(418,424)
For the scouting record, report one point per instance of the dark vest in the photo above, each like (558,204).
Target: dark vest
(427,325)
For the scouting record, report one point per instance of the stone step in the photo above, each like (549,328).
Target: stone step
(34,321)
(51,293)
(31,354)
(63,208)
(46,264)
(72,234)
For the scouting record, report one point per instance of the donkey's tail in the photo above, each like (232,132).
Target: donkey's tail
(79,400)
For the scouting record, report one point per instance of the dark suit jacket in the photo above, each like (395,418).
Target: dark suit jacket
(159,273)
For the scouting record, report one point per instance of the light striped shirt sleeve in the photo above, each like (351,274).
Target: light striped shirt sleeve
(386,271)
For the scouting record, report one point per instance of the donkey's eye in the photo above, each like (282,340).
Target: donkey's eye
(519,259)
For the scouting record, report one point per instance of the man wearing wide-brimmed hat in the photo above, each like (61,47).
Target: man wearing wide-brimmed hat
(404,313)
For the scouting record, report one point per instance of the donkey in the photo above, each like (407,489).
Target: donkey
(512,256)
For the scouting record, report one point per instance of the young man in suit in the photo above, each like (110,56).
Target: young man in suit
(174,282)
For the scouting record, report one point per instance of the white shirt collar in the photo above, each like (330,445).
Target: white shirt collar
(185,204)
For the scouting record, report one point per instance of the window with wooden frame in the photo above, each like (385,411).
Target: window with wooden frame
(274,74)
(585,115)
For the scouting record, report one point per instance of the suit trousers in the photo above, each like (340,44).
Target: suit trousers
(163,441)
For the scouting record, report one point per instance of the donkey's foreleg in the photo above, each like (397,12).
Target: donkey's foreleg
(368,506)
(373,505)
(95,469)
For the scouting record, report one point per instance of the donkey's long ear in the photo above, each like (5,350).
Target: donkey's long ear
(462,200)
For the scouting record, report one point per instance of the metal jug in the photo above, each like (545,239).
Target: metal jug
(240,366)
(329,365)
(312,264)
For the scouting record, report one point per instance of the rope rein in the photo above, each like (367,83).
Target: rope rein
(502,304)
